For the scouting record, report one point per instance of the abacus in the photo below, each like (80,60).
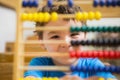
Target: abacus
(45,17)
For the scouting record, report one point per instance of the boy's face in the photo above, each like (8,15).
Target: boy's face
(62,35)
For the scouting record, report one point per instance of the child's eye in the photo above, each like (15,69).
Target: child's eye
(55,37)
(74,34)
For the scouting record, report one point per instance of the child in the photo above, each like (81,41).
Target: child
(64,61)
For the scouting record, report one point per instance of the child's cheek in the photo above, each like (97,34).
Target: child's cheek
(51,47)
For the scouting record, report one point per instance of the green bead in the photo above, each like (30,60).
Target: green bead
(84,28)
(77,29)
(93,29)
(72,29)
(100,29)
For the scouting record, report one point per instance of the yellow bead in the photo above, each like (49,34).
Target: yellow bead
(46,17)
(40,17)
(109,79)
(30,16)
(27,79)
(98,15)
(55,78)
(44,78)
(38,79)
(50,78)
(21,79)
(24,16)
(78,16)
(101,78)
(35,17)
(85,15)
(91,15)
(54,16)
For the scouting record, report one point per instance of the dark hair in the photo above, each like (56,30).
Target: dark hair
(61,9)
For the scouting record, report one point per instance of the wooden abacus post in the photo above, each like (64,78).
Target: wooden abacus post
(19,47)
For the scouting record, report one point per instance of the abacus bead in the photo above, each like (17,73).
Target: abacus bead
(55,78)
(112,69)
(30,16)
(24,16)
(106,54)
(72,68)
(85,15)
(77,29)
(72,29)
(102,3)
(70,3)
(49,3)
(101,78)
(78,54)
(44,78)
(41,17)
(108,3)
(118,2)
(46,17)
(96,3)
(24,3)
(54,16)
(98,15)
(35,17)
(91,15)
(114,3)
(78,16)
(84,28)
(118,69)
(30,3)
(72,54)
(35,3)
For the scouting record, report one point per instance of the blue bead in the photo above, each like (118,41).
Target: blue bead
(112,69)
(35,3)
(102,3)
(118,69)
(108,3)
(95,3)
(24,3)
(30,3)
(70,3)
(72,68)
(114,3)
(50,3)
(118,2)
(78,68)
(107,69)
(84,69)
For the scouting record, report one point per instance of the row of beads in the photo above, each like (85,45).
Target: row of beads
(106,3)
(112,69)
(94,54)
(40,17)
(95,29)
(88,16)
(98,42)
(30,3)
(44,17)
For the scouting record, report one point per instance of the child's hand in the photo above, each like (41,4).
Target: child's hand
(69,77)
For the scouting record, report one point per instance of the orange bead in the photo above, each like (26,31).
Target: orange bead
(54,16)
(24,16)
(35,17)
(78,16)
(30,16)
(46,17)
(85,15)
(98,15)
(41,17)
(91,15)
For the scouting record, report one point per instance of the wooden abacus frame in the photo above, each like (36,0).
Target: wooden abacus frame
(19,51)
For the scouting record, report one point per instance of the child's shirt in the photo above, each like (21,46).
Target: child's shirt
(87,62)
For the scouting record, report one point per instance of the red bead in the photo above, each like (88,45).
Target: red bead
(84,54)
(106,54)
(78,54)
(95,54)
(117,54)
(111,54)
(72,54)
(89,53)
(100,55)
